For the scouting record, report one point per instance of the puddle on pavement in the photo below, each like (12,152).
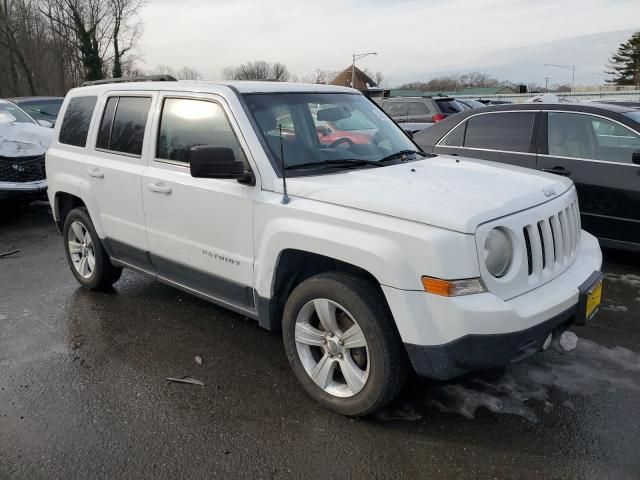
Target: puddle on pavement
(525,387)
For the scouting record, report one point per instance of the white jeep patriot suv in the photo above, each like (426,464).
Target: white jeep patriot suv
(307,208)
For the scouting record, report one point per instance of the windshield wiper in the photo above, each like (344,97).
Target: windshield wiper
(356,162)
(42,112)
(401,154)
(341,163)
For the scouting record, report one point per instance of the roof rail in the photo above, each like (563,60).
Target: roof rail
(141,78)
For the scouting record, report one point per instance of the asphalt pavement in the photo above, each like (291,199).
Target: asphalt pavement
(83,390)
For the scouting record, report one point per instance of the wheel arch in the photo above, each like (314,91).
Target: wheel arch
(293,266)
(63,203)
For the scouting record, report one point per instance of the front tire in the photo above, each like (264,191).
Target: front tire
(342,344)
(86,256)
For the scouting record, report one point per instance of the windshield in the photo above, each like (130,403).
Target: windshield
(635,116)
(43,110)
(329,128)
(15,112)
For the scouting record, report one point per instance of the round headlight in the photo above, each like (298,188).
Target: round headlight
(497,252)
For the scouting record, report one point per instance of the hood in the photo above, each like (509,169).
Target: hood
(23,139)
(455,193)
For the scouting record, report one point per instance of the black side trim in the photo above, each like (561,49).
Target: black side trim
(473,352)
(204,282)
(128,254)
(267,318)
(205,285)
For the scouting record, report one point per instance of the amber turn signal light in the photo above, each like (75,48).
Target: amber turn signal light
(452,288)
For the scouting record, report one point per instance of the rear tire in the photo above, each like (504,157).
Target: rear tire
(342,344)
(85,254)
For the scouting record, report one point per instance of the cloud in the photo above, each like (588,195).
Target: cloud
(413,38)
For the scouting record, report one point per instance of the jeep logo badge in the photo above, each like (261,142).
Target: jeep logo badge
(548,192)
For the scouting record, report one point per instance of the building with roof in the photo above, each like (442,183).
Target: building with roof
(363,82)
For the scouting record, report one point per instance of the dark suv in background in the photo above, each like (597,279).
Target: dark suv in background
(596,145)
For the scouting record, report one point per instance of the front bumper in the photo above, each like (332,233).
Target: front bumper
(21,188)
(474,352)
(446,337)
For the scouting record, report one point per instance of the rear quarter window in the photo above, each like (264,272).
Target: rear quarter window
(76,122)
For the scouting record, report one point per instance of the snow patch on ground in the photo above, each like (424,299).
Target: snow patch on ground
(629,279)
(615,308)
(589,369)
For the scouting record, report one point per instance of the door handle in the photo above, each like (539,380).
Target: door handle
(558,171)
(159,188)
(95,173)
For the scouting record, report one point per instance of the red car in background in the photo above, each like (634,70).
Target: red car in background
(328,134)
(348,131)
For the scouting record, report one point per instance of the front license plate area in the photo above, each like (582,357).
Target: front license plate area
(590,298)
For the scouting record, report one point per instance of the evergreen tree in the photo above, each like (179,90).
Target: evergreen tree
(625,63)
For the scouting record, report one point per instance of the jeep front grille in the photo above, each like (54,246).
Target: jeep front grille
(22,169)
(552,242)
(545,240)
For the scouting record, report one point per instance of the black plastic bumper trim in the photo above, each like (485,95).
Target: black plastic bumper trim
(475,352)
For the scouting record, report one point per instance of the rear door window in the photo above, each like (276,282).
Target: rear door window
(76,122)
(509,131)
(124,122)
(586,136)
(129,124)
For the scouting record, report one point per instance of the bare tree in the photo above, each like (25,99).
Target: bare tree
(258,70)
(89,21)
(10,12)
(456,82)
(127,29)
(163,70)
(49,46)
(320,76)
(188,73)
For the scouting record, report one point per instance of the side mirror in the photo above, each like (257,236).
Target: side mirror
(45,123)
(635,158)
(208,161)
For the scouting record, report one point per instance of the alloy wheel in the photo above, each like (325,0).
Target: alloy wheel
(332,348)
(81,249)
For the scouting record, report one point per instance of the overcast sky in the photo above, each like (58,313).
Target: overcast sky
(413,39)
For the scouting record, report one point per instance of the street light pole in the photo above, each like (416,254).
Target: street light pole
(566,67)
(357,56)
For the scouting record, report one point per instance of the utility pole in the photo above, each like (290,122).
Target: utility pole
(546,84)
(566,67)
(357,56)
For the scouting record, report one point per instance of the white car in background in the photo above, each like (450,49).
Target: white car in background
(23,143)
